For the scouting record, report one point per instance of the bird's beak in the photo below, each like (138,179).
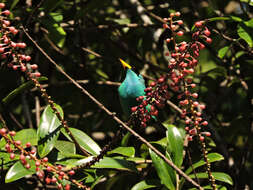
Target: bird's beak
(124,64)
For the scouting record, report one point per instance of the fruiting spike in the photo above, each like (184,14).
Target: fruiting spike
(124,64)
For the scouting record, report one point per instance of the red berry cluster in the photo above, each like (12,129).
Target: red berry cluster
(156,96)
(54,174)
(181,66)
(10,51)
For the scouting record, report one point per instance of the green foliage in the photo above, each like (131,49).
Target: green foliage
(117,29)
(48,131)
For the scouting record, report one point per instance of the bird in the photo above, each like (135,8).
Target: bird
(131,88)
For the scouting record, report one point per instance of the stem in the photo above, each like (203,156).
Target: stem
(114,117)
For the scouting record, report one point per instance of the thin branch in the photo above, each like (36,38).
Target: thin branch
(114,117)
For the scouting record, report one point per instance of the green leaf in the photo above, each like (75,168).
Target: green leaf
(250,2)
(65,147)
(249,23)
(212,157)
(49,130)
(162,169)
(125,151)
(175,145)
(219,176)
(56,32)
(84,140)
(218,18)
(18,171)
(146,184)
(25,136)
(115,163)
(223,51)
(14,3)
(20,89)
(246,34)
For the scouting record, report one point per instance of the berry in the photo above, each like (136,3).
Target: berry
(71,172)
(180,33)
(201,138)
(12,133)
(49,169)
(28,145)
(48,180)
(205,123)
(208,40)
(28,166)
(45,159)
(134,109)
(67,187)
(37,163)
(18,143)
(3,131)
(53,180)
(6,12)
(12,156)
(2,5)
(198,24)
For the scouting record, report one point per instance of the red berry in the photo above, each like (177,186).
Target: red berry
(12,133)
(198,24)
(165,26)
(28,145)
(37,74)
(193,131)
(189,138)
(208,40)
(195,95)
(6,12)
(201,138)
(134,109)
(2,5)
(177,14)
(33,151)
(41,175)
(152,84)
(45,159)
(28,166)
(12,156)
(180,33)
(48,180)
(161,80)
(49,169)
(71,172)
(3,131)
(180,22)
(22,157)
(61,173)
(59,186)
(202,106)
(67,187)
(18,143)
(193,85)
(207,32)
(23,68)
(53,180)
(34,66)
(28,58)
(37,163)
(205,123)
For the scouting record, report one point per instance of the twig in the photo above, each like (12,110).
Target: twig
(114,117)
(37,110)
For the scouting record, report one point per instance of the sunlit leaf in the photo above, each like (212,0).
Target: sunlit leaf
(84,141)
(49,130)
(162,170)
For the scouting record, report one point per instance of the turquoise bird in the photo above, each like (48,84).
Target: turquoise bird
(132,87)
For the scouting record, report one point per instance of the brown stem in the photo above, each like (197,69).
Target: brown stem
(114,117)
